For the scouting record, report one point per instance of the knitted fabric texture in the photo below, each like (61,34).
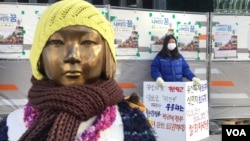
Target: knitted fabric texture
(135,126)
(102,122)
(66,13)
(64,108)
(3,130)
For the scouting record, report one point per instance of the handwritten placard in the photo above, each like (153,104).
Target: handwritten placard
(179,111)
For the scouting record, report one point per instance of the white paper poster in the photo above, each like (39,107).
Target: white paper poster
(179,111)
(11,32)
(125,25)
(225,41)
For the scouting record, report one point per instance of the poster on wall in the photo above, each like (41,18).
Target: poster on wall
(230,37)
(17,29)
(160,27)
(178,111)
(188,37)
(189,30)
(11,36)
(125,26)
(226,41)
(140,34)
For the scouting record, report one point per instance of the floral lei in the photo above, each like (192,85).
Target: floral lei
(103,121)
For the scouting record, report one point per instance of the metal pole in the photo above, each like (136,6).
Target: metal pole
(156,4)
(32,1)
(123,3)
(163,5)
(105,2)
(139,3)
(209,52)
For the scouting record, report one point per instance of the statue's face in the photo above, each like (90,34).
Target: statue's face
(74,56)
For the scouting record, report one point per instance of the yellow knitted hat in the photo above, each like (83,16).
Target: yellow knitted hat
(65,13)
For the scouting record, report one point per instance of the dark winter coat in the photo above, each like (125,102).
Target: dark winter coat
(171,69)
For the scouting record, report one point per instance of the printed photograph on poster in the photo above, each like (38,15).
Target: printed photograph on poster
(226,41)
(11,36)
(188,38)
(126,37)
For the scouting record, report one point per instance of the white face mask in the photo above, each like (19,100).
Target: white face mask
(171,46)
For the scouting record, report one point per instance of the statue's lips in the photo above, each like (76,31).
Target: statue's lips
(73,73)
